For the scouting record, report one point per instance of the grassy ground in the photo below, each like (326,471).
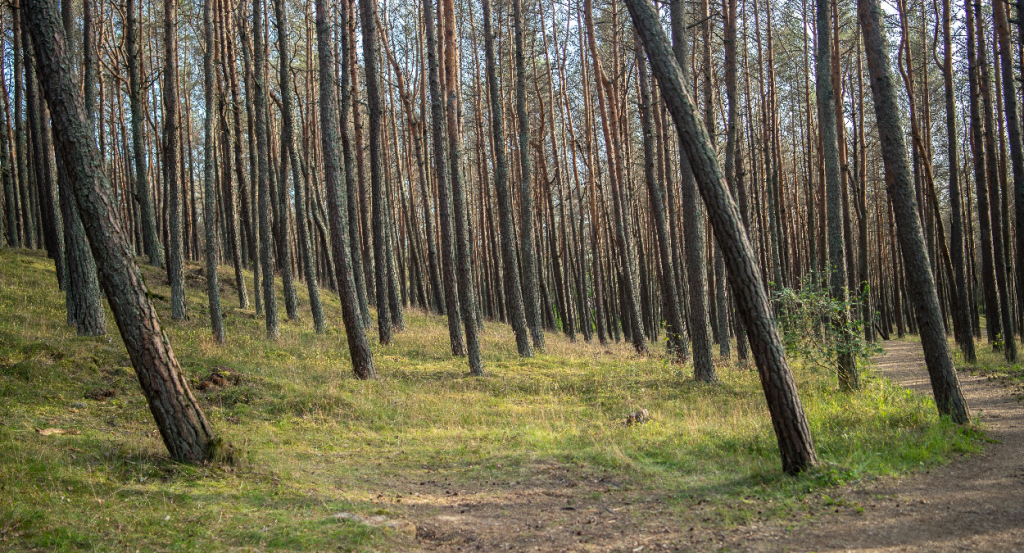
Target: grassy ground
(313,441)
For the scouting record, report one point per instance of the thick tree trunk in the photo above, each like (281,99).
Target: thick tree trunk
(788,418)
(946,387)
(183,426)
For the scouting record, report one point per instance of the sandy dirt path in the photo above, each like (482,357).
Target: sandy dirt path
(975,503)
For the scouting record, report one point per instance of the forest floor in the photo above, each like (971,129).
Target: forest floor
(972,504)
(536,455)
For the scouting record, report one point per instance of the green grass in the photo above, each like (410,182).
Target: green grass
(312,440)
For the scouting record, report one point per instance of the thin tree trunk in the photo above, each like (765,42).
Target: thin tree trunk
(510,261)
(359,349)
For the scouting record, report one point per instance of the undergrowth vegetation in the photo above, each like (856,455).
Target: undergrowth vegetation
(310,440)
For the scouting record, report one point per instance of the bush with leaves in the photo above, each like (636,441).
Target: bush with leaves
(805,316)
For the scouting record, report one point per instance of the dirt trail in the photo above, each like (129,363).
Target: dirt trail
(974,503)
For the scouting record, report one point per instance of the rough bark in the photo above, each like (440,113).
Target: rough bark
(209,174)
(358,347)
(510,261)
(183,426)
(531,290)
(693,232)
(949,398)
(787,414)
(259,83)
(288,155)
(175,253)
(847,366)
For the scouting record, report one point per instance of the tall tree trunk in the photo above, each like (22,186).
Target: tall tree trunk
(668,283)
(288,154)
(352,185)
(183,426)
(209,196)
(946,387)
(1016,159)
(175,255)
(368,11)
(444,206)
(788,418)
(693,232)
(467,300)
(510,261)
(358,348)
(956,241)
(259,82)
(847,366)
(150,237)
(531,290)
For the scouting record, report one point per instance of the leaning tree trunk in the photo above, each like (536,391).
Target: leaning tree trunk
(949,398)
(358,347)
(787,413)
(847,366)
(183,426)
(510,261)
